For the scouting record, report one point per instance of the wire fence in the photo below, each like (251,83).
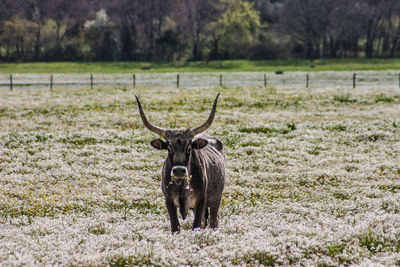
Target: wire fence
(282,80)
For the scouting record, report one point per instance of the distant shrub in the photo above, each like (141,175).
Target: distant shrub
(269,130)
(63,52)
(385,99)
(344,99)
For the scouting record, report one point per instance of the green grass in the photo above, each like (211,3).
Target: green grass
(269,130)
(136,260)
(376,244)
(97,230)
(203,66)
(256,258)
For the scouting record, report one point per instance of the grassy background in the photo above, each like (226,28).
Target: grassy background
(203,66)
(312,176)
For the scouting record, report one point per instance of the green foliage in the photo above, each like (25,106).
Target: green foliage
(238,24)
(98,36)
(17,28)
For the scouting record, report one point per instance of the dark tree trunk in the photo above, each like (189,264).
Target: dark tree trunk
(126,43)
(309,48)
(395,41)
(195,43)
(214,54)
(334,47)
(8,49)
(355,48)
(195,51)
(58,29)
(325,47)
(37,44)
(393,49)
(369,45)
(369,49)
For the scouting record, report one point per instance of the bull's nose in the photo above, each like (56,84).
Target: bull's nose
(178,171)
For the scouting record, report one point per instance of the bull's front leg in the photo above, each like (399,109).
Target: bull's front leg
(199,212)
(173,216)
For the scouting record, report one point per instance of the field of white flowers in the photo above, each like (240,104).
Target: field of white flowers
(313,176)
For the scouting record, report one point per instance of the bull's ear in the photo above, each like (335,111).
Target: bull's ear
(199,143)
(159,144)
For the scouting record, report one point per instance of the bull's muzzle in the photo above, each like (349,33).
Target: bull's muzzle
(179,174)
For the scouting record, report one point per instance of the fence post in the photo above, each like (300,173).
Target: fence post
(11,82)
(307,80)
(134,80)
(354,80)
(220,80)
(265,80)
(399,80)
(177,80)
(51,82)
(91,80)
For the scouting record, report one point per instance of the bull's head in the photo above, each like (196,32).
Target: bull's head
(179,143)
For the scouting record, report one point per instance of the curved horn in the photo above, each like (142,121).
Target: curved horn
(148,124)
(209,121)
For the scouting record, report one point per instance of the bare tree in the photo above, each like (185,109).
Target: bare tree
(389,29)
(306,21)
(66,14)
(373,15)
(344,30)
(200,29)
(7,8)
(140,24)
(193,18)
(153,17)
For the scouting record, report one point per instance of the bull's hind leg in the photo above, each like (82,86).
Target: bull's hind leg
(199,212)
(214,217)
(206,218)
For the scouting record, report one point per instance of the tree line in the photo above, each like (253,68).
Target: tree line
(171,30)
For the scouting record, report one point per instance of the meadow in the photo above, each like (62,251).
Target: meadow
(202,66)
(312,176)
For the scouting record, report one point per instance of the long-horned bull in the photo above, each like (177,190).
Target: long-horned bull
(193,175)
